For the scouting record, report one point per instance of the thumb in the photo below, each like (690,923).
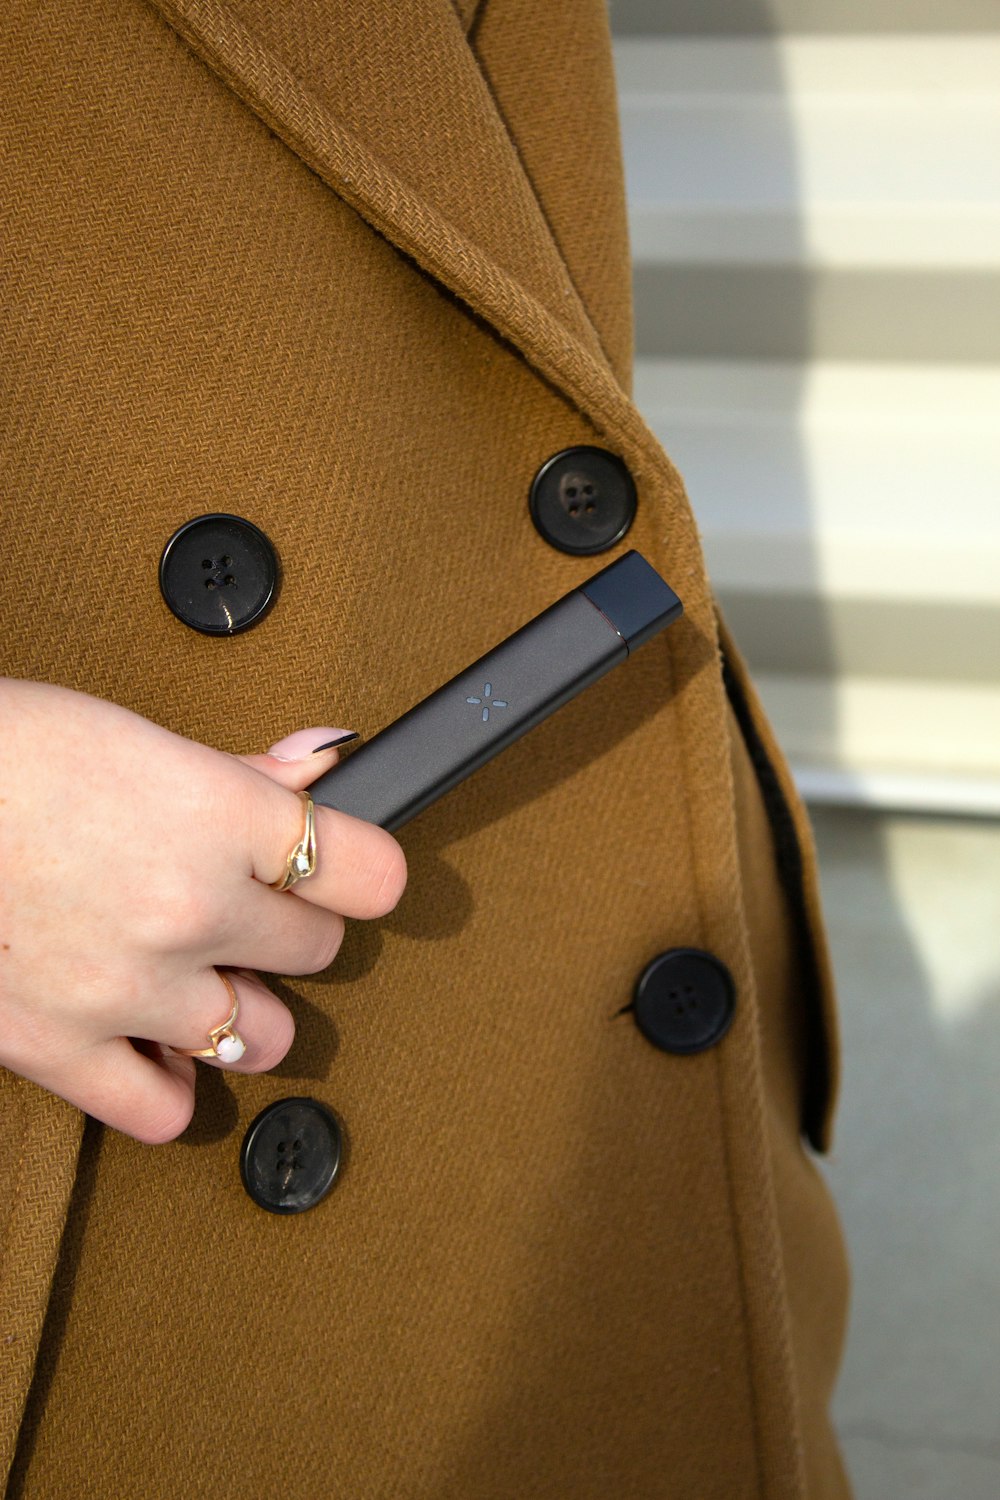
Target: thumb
(301,757)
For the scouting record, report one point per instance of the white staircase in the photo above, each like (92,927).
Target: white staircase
(816,235)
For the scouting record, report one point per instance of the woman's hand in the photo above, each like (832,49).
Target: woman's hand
(132,863)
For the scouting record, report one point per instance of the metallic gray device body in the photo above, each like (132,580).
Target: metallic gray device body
(462,725)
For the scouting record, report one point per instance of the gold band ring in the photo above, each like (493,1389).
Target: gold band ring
(227,1044)
(302,860)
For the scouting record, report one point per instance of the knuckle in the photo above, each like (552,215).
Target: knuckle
(173,914)
(106,989)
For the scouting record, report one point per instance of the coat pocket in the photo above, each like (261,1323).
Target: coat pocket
(797,875)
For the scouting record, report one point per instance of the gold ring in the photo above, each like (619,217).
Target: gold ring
(227,1044)
(302,860)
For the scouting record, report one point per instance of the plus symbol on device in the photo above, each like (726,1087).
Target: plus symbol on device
(488,701)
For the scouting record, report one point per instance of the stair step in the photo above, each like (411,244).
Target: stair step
(836,195)
(762,17)
(850,515)
(853,479)
(874,742)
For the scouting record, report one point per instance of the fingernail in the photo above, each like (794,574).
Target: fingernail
(302,744)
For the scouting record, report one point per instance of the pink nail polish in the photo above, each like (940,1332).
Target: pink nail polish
(306,742)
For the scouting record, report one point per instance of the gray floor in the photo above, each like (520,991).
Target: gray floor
(913,905)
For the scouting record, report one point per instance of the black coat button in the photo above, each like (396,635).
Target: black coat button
(218,574)
(583,500)
(684,1000)
(291,1155)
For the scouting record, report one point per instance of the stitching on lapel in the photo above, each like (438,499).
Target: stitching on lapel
(290,108)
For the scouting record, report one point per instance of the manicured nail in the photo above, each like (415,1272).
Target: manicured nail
(302,744)
(344,739)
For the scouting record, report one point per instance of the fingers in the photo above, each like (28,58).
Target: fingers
(360,869)
(272,933)
(301,757)
(148,1097)
(262,1022)
(147,1090)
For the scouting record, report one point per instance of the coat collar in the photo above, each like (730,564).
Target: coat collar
(388,105)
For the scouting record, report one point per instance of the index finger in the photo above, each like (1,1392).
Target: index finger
(360,869)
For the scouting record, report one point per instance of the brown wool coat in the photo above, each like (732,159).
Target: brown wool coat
(354,271)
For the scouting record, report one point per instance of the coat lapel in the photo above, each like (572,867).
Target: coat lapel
(39,1144)
(388,105)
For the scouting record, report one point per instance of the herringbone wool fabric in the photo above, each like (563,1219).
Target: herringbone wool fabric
(355,272)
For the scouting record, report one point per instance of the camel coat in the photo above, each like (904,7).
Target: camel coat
(354,272)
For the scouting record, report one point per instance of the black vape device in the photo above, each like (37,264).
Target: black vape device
(459,727)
